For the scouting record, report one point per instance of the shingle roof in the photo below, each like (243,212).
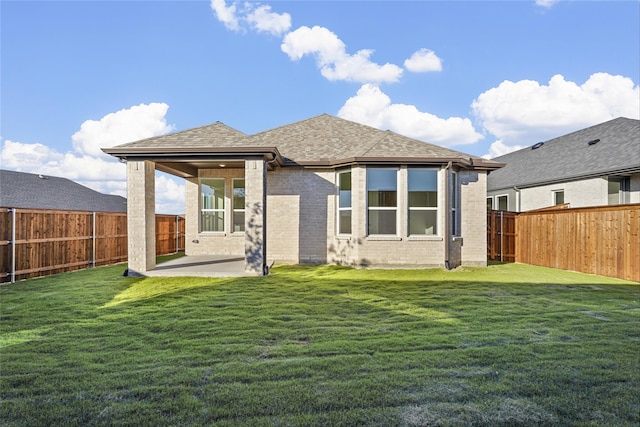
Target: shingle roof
(216,134)
(32,191)
(323,138)
(571,157)
(326,138)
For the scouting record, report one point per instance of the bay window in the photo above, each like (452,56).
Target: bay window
(344,203)
(455,211)
(382,206)
(423,202)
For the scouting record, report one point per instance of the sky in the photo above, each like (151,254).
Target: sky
(481,77)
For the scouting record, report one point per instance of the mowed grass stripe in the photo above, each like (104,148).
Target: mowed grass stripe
(503,345)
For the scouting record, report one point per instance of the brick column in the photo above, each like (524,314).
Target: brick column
(255,243)
(141,216)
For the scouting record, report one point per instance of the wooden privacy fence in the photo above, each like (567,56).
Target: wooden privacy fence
(501,236)
(598,240)
(36,242)
(602,240)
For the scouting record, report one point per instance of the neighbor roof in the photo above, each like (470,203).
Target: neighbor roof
(609,148)
(32,191)
(323,140)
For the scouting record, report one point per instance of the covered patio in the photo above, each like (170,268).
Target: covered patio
(201,266)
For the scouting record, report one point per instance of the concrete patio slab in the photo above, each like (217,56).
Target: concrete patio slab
(201,266)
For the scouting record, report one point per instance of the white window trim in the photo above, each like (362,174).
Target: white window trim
(223,210)
(492,201)
(233,209)
(395,236)
(496,205)
(340,209)
(553,196)
(455,204)
(438,233)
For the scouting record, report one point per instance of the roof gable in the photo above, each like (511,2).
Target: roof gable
(572,157)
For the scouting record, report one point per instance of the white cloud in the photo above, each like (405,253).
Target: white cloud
(525,112)
(226,14)
(498,148)
(138,122)
(330,52)
(547,4)
(333,60)
(240,17)
(263,20)
(422,61)
(88,165)
(373,107)
(26,157)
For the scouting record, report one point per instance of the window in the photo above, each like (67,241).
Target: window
(489,203)
(344,203)
(503,202)
(238,205)
(455,212)
(423,201)
(558,197)
(212,204)
(382,198)
(618,192)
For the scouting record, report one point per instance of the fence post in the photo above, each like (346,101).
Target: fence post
(13,245)
(93,239)
(177,232)
(501,237)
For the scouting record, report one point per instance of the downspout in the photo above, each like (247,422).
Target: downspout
(265,266)
(517,190)
(447,220)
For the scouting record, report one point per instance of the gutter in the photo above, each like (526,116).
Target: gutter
(271,154)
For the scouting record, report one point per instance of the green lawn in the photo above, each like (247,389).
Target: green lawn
(504,345)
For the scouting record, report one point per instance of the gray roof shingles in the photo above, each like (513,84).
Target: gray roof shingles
(216,134)
(570,157)
(33,191)
(322,138)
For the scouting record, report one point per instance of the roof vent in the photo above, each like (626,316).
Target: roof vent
(537,145)
(593,141)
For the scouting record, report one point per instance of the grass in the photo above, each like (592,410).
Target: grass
(504,345)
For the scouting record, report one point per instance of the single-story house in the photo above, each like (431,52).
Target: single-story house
(36,191)
(321,190)
(596,166)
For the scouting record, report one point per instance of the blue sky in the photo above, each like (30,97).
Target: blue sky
(477,76)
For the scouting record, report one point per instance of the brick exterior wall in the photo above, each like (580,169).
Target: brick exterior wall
(302,222)
(473,215)
(141,216)
(224,243)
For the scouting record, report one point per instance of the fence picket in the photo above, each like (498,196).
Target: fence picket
(37,242)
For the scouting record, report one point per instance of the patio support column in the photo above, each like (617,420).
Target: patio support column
(255,243)
(141,216)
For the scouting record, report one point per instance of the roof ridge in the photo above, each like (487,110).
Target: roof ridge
(287,125)
(385,133)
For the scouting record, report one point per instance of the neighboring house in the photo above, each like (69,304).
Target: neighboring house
(599,165)
(322,190)
(34,191)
